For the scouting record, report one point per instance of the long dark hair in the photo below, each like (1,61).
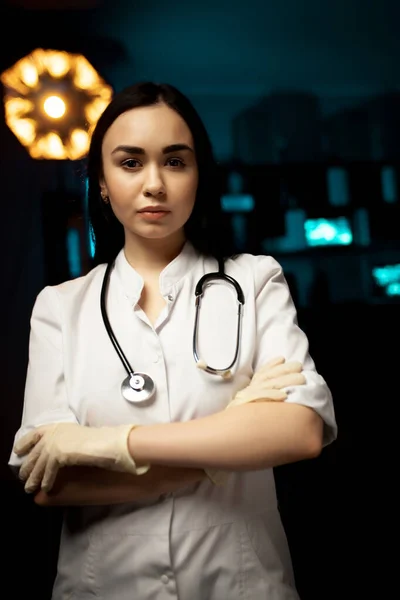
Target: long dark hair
(205,228)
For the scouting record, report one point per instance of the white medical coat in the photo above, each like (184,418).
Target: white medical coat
(205,542)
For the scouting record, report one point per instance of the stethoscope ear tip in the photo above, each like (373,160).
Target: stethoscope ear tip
(226,374)
(201,364)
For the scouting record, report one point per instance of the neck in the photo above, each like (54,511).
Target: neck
(152,255)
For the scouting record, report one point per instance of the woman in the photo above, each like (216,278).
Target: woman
(173,496)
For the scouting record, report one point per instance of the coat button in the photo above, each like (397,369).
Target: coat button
(164,578)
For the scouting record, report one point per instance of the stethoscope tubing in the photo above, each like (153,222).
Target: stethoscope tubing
(134,377)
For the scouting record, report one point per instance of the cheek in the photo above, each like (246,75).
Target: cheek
(121,190)
(188,190)
(188,198)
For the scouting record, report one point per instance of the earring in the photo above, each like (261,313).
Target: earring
(105,199)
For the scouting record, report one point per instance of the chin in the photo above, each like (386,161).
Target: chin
(155,235)
(154,232)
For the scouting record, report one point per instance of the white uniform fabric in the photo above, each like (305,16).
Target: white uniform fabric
(206,541)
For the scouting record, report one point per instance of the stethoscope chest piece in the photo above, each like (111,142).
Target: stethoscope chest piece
(138,387)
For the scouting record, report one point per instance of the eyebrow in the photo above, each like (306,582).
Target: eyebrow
(138,150)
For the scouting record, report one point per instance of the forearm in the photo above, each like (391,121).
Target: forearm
(80,486)
(249,437)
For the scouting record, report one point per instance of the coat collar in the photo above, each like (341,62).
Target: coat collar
(170,277)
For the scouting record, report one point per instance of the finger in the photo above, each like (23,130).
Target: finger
(36,475)
(50,474)
(260,395)
(270,395)
(285,381)
(217,476)
(286,368)
(29,463)
(27,442)
(279,370)
(278,360)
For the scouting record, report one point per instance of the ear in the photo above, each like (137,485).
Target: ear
(103,187)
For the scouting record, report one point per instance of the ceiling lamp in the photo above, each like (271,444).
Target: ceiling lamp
(52,100)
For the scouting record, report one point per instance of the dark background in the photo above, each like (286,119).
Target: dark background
(289,91)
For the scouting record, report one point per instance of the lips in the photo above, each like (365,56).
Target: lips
(151,214)
(153,209)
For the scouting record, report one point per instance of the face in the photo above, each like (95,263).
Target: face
(150,171)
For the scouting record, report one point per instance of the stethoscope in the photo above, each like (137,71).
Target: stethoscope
(140,387)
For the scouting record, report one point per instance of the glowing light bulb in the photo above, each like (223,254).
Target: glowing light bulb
(54,107)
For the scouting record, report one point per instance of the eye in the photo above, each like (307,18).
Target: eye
(176,162)
(131,163)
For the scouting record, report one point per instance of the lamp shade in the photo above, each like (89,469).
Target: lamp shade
(52,100)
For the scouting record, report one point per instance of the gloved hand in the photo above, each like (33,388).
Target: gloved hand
(51,447)
(266,385)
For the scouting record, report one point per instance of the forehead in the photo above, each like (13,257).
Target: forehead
(148,126)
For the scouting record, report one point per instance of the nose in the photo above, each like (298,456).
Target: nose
(154,185)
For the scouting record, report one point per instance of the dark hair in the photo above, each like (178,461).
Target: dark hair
(205,228)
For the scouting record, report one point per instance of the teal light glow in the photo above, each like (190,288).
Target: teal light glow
(237,203)
(389,185)
(90,236)
(388,278)
(338,186)
(91,242)
(328,232)
(73,252)
(393,289)
(386,275)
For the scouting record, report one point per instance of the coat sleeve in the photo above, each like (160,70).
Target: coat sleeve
(278,334)
(45,396)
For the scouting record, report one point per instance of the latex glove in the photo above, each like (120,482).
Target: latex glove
(266,385)
(51,447)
